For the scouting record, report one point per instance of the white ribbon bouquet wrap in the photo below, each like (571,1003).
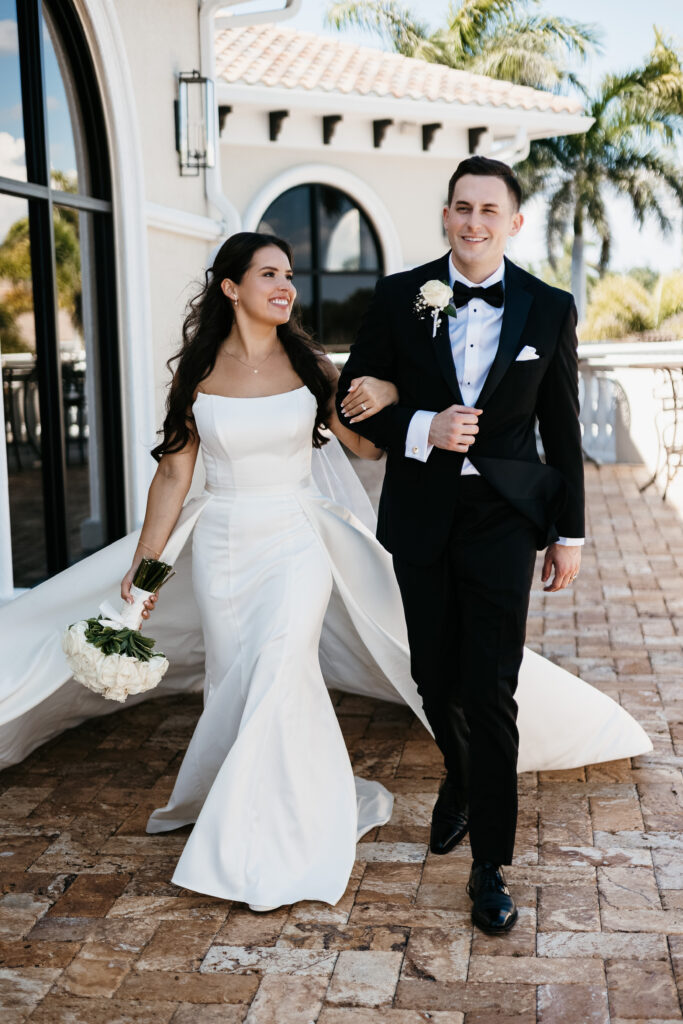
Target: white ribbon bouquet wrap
(108,654)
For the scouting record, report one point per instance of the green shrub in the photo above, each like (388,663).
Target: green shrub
(619,306)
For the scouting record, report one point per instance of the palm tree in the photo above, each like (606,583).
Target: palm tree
(628,151)
(499,38)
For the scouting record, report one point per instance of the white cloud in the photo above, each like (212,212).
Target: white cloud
(9,40)
(11,210)
(12,163)
(11,166)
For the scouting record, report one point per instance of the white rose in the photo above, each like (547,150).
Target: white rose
(127,674)
(80,663)
(108,669)
(158,665)
(148,674)
(436,294)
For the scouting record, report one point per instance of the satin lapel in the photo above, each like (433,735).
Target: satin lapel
(442,341)
(444,357)
(517,304)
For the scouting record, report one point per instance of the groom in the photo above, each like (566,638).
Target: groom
(466,501)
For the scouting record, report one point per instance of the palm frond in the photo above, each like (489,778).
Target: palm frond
(533,51)
(519,62)
(392,20)
(644,179)
(470,21)
(576,38)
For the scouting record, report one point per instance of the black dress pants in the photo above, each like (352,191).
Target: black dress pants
(466,617)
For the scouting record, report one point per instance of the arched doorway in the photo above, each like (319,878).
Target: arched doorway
(337,257)
(63,457)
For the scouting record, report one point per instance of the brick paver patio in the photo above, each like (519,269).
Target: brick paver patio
(92,931)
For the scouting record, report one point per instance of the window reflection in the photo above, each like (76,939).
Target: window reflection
(337,258)
(12,158)
(20,396)
(347,242)
(76,333)
(344,301)
(304,298)
(289,217)
(62,363)
(67,158)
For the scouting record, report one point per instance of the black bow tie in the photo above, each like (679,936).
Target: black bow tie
(462,294)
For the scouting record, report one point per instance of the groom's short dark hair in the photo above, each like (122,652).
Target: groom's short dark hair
(483,166)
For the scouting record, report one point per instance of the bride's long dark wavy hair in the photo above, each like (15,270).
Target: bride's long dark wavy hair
(207,325)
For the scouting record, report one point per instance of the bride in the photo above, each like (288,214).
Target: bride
(288,580)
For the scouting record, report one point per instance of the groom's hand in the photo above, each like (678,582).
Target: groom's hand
(455,428)
(566,561)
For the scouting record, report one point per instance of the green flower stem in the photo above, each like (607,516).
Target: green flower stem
(151,575)
(125,641)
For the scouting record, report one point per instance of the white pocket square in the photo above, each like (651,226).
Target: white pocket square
(527,353)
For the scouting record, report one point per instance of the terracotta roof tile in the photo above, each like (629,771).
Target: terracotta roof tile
(275,56)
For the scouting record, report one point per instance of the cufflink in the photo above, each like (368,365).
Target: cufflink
(415,450)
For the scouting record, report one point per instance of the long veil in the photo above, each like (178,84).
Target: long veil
(563,722)
(336,478)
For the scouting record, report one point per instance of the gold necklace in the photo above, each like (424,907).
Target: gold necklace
(244,363)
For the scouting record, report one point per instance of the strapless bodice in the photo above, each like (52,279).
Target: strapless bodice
(256,443)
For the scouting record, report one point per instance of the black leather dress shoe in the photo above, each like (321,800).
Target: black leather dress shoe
(449,820)
(493,910)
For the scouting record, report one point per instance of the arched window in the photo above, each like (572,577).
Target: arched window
(61,470)
(337,257)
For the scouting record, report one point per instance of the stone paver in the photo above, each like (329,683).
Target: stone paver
(93,932)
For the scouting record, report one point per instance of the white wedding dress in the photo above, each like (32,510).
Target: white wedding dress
(276,560)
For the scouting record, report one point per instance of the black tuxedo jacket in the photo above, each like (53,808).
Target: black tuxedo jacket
(418,499)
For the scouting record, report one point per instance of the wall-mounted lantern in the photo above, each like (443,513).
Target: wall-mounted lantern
(195,123)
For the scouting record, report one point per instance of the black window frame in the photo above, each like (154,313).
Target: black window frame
(316,271)
(42,197)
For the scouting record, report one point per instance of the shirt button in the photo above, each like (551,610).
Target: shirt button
(415,450)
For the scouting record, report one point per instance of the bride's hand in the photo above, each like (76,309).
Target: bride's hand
(367,396)
(126,584)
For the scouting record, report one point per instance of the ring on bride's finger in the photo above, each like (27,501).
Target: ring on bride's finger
(363,406)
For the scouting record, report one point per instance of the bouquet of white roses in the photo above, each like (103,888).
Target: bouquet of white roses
(109,654)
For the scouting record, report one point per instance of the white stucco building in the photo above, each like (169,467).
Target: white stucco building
(345,150)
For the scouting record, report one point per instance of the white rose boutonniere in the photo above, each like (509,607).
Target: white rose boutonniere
(434,298)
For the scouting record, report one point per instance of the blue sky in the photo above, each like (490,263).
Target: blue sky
(627,27)
(62,154)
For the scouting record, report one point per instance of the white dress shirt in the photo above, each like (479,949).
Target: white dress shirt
(474,336)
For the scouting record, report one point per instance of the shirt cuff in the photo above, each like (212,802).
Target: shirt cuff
(417,438)
(570,542)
